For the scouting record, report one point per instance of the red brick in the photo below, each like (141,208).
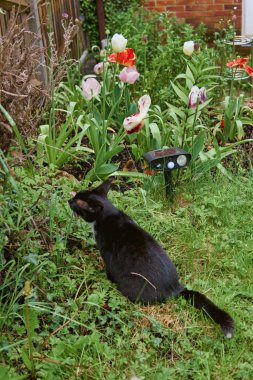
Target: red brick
(175,8)
(186,2)
(232,6)
(222,13)
(225,2)
(158,9)
(165,2)
(203,2)
(182,14)
(203,7)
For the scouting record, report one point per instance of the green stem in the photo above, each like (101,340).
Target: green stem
(183,138)
(30,343)
(194,121)
(104,132)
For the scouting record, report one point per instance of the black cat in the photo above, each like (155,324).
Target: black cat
(133,258)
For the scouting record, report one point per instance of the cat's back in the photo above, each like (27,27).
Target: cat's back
(135,260)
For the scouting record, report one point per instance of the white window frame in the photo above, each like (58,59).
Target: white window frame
(247,17)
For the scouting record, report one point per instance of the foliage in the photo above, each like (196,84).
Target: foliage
(56,145)
(79,324)
(236,116)
(111,8)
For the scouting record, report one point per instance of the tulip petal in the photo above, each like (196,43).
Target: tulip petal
(144,104)
(126,57)
(193,96)
(118,42)
(237,62)
(202,95)
(249,70)
(188,48)
(91,88)
(133,123)
(129,75)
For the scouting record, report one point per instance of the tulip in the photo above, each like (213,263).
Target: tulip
(126,57)
(135,122)
(118,43)
(241,63)
(99,67)
(195,95)
(91,88)
(129,75)
(188,48)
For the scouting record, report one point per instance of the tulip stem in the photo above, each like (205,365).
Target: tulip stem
(103,107)
(194,121)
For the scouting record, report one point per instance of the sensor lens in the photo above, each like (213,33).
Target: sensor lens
(170,165)
(182,160)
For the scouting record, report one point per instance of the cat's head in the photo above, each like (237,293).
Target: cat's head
(88,204)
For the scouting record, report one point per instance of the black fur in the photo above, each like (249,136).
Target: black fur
(133,258)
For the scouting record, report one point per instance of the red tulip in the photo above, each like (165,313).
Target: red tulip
(126,57)
(242,64)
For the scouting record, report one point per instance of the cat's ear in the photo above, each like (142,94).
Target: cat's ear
(92,207)
(104,187)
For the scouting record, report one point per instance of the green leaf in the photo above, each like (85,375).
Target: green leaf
(113,152)
(137,151)
(180,94)
(102,171)
(198,145)
(227,129)
(101,156)
(177,111)
(205,166)
(27,362)
(133,108)
(31,320)
(130,174)
(189,78)
(156,135)
(240,130)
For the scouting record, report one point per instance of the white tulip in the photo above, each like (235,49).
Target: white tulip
(118,43)
(188,48)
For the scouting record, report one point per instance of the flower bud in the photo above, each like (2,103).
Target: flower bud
(129,75)
(91,88)
(188,48)
(118,43)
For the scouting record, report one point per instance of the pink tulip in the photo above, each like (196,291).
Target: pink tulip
(195,95)
(135,122)
(129,75)
(91,88)
(99,67)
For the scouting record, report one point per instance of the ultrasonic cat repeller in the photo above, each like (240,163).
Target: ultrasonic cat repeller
(166,160)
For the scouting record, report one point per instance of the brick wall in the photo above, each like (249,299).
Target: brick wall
(197,11)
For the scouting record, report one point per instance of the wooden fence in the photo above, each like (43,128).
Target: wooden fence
(47,17)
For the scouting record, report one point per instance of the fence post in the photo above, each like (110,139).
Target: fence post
(35,27)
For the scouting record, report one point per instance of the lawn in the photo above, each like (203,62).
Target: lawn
(78,325)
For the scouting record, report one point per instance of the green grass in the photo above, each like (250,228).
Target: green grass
(80,327)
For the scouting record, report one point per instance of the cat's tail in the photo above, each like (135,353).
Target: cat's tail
(219,316)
